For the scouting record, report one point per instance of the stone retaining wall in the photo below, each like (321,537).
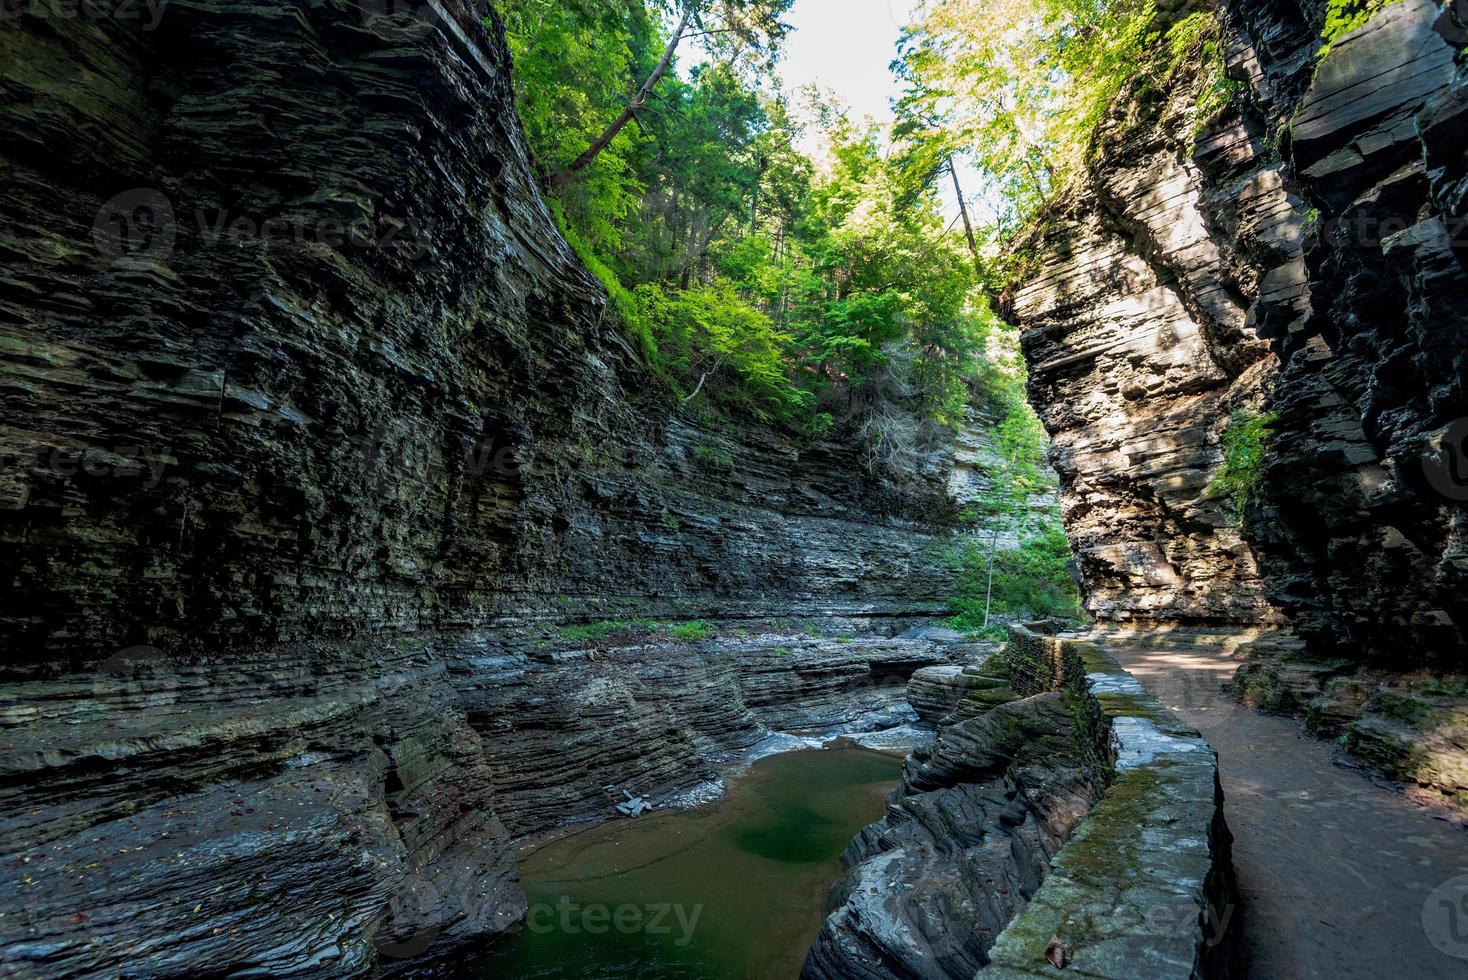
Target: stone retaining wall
(1145,886)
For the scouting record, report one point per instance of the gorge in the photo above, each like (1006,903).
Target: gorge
(353,538)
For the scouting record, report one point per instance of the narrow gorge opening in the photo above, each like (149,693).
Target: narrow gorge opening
(734,488)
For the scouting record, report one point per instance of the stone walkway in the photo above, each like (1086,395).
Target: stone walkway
(1340,876)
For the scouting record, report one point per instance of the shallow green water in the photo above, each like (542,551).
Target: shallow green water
(734,891)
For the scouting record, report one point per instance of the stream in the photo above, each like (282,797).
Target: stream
(734,890)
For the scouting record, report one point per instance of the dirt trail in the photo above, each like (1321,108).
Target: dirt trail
(1340,876)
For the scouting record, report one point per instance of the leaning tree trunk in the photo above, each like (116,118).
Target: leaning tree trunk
(564,176)
(968,225)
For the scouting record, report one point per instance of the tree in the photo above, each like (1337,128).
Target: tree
(735,29)
(1022,84)
(823,297)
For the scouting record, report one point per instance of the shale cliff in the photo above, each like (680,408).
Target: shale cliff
(293,351)
(344,536)
(1296,259)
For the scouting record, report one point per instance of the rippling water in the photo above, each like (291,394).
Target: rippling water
(733,891)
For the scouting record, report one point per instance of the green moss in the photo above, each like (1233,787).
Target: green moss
(1452,687)
(1195,46)
(714,458)
(696,630)
(624,304)
(596,632)
(1093,659)
(1261,690)
(1124,705)
(1104,852)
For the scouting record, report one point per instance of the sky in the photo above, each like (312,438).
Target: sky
(847,46)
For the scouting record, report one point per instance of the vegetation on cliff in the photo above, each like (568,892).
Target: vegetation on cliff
(822,291)
(1245,443)
(777,259)
(1023,103)
(1030,576)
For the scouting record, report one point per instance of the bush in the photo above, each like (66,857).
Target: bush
(694,631)
(714,458)
(597,632)
(624,303)
(716,342)
(1245,443)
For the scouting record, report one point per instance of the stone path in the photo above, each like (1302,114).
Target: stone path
(1340,876)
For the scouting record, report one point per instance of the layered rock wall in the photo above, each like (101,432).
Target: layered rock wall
(1061,818)
(292,349)
(315,436)
(1299,257)
(335,811)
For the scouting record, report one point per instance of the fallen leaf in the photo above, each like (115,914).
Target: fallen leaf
(1058,953)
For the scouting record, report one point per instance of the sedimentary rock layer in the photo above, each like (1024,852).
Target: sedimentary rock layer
(1299,257)
(964,845)
(295,363)
(338,810)
(1060,818)
(291,349)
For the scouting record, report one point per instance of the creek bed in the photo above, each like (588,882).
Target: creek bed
(735,890)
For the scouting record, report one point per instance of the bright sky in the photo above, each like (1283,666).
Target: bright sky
(846,45)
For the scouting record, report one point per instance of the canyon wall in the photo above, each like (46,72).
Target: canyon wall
(1299,256)
(318,446)
(1296,258)
(292,350)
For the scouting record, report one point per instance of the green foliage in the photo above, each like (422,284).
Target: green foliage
(1195,40)
(597,632)
(709,331)
(1245,443)
(1344,16)
(1030,582)
(714,458)
(1022,85)
(827,296)
(624,303)
(693,632)
(602,631)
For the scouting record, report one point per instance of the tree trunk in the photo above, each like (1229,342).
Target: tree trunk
(968,225)
(993,557)
(562,177)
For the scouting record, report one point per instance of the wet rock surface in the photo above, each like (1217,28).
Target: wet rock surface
(1073,820)
(965,844)
(344,813)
